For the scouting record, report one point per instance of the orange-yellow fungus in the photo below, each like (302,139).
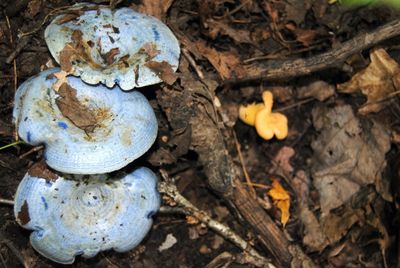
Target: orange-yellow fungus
(269,124)
(248,113)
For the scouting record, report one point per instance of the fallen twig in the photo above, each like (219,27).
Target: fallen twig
(6,202)
(169,188)
(31,151)
(331,59)
(20,46)
(246,175)
(51,13)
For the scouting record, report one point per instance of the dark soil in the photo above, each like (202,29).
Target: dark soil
(281,30)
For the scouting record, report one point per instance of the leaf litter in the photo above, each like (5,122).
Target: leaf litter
(332,169)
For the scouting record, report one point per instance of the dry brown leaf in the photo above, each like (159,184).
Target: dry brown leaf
(76,49)
(150,49)
(23,216)
(71,15)
(215,28)
(69,105)
(336,226)
(377,81)
(281,200)
(314,237)
(155,8)
(348,254)
(347,156)
(41,170)
(319,90)
(304,36)
(33,8)
(227,64)
(110,55)
(163,70)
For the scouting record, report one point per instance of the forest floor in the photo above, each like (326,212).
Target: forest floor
(325,196)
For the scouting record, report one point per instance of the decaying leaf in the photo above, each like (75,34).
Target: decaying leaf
(33,8)
(336,226)
(23,215)
(281,200)
(69,105)
(313,235)
(77,49)
(163,70)
(216,27)
(110,55)
(40,170)
(155,8)
(227,64)
(319,90)
(304,36)
(377,81)
(348,154)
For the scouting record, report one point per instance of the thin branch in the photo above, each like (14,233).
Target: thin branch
(6,202)
(169,188)
(246,175)
(331,59)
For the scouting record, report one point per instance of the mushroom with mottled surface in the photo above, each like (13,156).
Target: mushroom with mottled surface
(118,46)
(86,129)
(72,217)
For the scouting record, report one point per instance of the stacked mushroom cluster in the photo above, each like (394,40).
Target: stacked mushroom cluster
(91,127)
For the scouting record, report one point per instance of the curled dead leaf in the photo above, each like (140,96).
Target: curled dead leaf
(163,70)
(377,81)
(227,64)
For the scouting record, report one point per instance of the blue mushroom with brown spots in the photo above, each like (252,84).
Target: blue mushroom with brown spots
(73,215)
(86,129)
(120,46)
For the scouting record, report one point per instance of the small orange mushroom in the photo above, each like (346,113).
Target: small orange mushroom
(248,113)
(267,123)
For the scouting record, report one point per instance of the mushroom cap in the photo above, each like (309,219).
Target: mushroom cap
(111,46)
(71,218)
(248,113)
(123,124)
(269,124)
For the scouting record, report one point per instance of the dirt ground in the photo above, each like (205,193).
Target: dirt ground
(325,196)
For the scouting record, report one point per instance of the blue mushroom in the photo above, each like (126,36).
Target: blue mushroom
(86,129)
(72,217)
(112,46)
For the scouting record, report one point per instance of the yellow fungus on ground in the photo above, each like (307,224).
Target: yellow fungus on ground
(281,200)
(267,123)
(248,113)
